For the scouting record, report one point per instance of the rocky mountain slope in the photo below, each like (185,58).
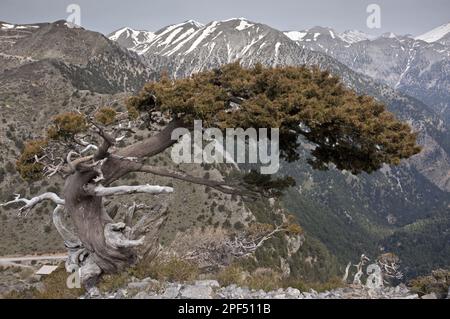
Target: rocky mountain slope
(130,38)
(47,68)
(88,59)
(439,34)
(337,207)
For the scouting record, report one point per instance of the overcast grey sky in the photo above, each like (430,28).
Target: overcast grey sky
(398,16)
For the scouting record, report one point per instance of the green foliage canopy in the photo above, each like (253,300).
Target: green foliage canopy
(356,133)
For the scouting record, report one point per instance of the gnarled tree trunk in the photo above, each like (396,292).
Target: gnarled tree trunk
(98,244)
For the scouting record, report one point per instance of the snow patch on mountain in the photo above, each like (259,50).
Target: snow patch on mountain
(332,34)
(277,53)
(171,36)
(206,32)
(8,26)
(136,36)
(195,23)
(243,25)
(435,34)
(296,35)
(354,36)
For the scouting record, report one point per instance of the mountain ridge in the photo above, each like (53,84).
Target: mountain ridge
(436,34)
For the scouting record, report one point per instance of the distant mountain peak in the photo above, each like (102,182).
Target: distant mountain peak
(194,23)
(312,34)
(59,24)
(241,23)
(436,34)
(10,26)
(126,31)
(296,35)
(354,36)
(234,19)
(389,35)
(130,38)
(318,32)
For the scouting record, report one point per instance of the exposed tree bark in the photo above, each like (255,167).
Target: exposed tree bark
(119,164)
(218,185)
(71,240)
(102,245)
(109,244)
(154,145)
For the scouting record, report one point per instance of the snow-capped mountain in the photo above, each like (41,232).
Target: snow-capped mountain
(9,26)
(130,38)
(141,41)
(436,34)
(354,36)
(171,37)
(193,47)
(312,35)
(317,33)
(411,65)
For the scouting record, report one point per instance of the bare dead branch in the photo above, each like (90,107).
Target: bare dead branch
(99,190)
(132,209)
(115,236)
(108,141)
(242,245)
(74,164)
(88,148)
(30,203)
(218,185)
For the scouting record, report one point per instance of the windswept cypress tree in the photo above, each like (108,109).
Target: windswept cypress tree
(351,132)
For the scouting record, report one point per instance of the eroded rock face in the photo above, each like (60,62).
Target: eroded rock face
(196,292)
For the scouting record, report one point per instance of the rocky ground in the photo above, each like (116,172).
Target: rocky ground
(211,289)
(19,282)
